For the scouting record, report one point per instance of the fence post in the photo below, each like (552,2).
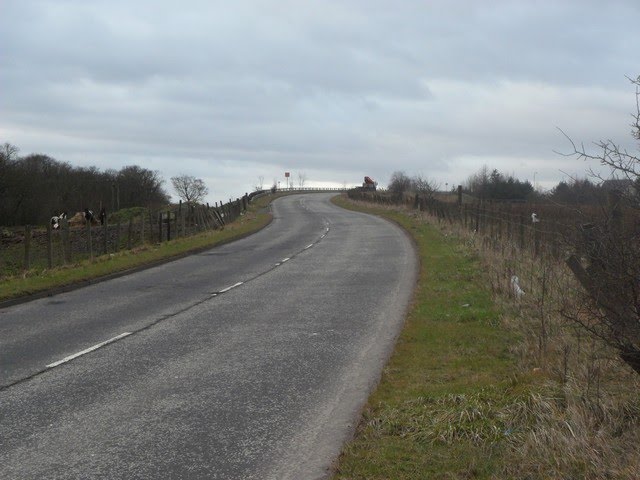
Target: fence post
(66,243)
(49,245)
(89,243)
(168,225)
(159,227)
(614,211)
(117,249)
(492,225)
(105,236)
(536,240)
(27,247)
(129,233)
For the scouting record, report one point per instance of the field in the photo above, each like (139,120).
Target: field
(132,243)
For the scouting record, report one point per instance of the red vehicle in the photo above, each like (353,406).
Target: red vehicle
(369,184)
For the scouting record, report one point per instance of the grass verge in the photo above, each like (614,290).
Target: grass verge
(450,399)
(38,281)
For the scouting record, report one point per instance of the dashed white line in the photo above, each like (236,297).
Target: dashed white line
(232,286)
(286,259)
(90,349)
(308,246)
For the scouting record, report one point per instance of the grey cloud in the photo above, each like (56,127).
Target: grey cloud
(333,87)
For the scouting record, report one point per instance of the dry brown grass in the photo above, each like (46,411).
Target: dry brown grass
(584,422)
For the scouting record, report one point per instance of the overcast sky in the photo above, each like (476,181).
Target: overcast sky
(233,91)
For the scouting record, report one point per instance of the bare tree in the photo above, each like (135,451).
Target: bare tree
(424,187)
(8,152)
(260,185)
(189,188)
(621,163)
(478,183)
(606,261)
(302,178)
(400,183)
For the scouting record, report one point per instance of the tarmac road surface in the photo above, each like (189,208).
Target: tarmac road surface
(248,361)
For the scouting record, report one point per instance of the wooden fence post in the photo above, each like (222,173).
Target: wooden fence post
(615,213)
(118,225)
(49,245)
(66,242)
(536,240)
(492,226)
(27,247)
(105,237)
(89,243)
(159,227)
(130,233)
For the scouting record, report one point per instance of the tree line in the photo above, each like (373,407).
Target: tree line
(35,187)
(493,185)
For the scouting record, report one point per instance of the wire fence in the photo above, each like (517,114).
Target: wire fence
(527,263)
(541,229)
(77,239)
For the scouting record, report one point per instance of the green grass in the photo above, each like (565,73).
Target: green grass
(39,280)
(449,400)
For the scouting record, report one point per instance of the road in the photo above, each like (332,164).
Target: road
(248,361)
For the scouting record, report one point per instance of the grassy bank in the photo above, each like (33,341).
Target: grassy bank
(35,281)
(450,399)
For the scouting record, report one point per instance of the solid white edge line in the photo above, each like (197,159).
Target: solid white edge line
(90,349)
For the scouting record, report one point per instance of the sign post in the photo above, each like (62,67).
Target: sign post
(287,175)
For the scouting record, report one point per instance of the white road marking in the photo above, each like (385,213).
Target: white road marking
(90,349)
(232,286)
(286,259)
(308,246)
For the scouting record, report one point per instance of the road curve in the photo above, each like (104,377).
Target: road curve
(248,361)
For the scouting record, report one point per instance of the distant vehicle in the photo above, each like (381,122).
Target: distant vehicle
(369,184)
